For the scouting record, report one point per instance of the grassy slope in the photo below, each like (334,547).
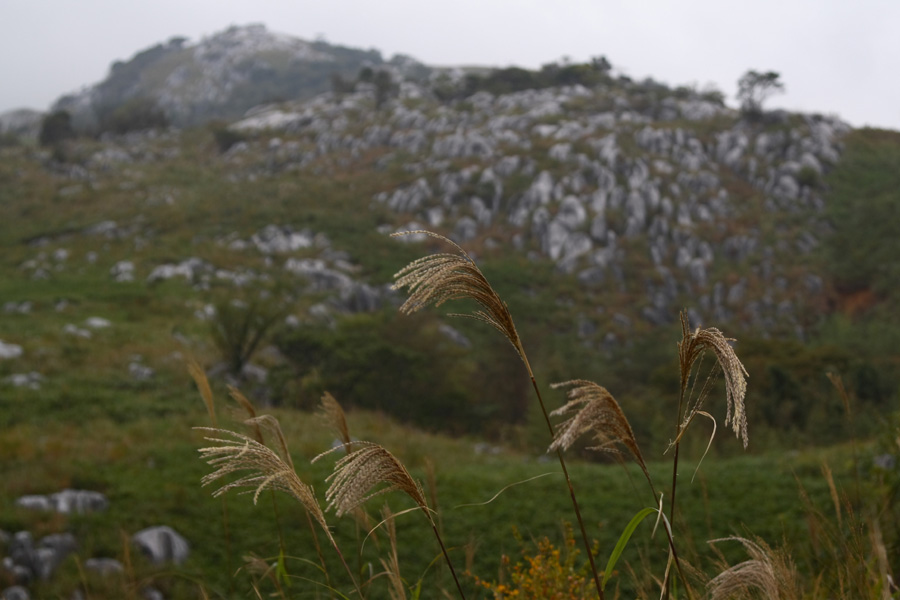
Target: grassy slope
(91,426)
(150,472)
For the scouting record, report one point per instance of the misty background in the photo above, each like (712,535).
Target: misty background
(836,58)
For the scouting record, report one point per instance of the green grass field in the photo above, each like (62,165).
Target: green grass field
(92,425)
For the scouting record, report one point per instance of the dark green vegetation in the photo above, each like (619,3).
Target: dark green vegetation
(93,426)
(863,208)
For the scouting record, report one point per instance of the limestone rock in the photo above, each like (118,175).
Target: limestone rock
(9,351)
(275,239)
(162,544)
(122,271)
(104,566)
(31,380)
(15,592)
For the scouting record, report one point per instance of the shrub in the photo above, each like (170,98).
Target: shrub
(225,136)
(238,328)
(137,114)
(55,128)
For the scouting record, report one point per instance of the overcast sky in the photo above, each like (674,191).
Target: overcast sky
(835,57)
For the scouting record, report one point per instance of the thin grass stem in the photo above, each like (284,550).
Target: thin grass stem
(447,558)
(562,464)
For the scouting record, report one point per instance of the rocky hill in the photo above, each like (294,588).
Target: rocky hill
(671,201)
(599,210)
(221,76)
(664,195)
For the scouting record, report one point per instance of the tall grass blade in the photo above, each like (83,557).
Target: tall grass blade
(623,542)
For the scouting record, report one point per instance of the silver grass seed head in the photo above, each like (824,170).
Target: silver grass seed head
(261,468)
(437,278)
(770,572)
(357,475)
(592,409)
(693,345)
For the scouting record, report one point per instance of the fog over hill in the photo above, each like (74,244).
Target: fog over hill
(222,76)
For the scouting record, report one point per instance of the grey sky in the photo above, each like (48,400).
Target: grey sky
(835,57)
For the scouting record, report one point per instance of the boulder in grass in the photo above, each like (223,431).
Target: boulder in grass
(28,562)
(34,502)
(162,544)
(103,566)
(66,502)
(16,592)
(79,501)
(10,350)
(30,380)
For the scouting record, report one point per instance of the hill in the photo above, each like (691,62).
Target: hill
(221,76)
(599,213)
(597,206)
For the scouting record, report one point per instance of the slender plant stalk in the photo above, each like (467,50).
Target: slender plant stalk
(438,278)
(562,463)
(257,432)
(691,348)
(198,374)
(315,538)
(447,557)
(672,507)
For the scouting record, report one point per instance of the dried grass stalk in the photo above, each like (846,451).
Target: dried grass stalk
(357,474)
(437,278)
(242,401)
(397,588)
(593,409)
(237,453)
(199,376)
(333,414)
(692,346)
(271,425)
(770,572)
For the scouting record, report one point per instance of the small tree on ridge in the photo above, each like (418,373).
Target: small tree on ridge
(753,89)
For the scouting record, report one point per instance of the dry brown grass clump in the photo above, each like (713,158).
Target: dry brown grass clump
(592,409)
(357,474)
(768,573)
(437,278)
(262,467)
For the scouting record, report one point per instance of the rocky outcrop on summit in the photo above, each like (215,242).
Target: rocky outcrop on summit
(220,76)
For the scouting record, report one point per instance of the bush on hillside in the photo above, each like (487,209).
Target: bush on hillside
(137,114)
(55,128)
